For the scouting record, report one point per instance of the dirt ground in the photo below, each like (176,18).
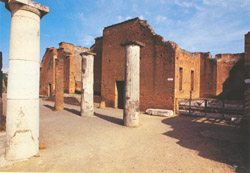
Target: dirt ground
(70,143)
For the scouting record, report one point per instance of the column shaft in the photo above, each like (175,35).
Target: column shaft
(22,124)
(132,85)
(87,100)
(59,80)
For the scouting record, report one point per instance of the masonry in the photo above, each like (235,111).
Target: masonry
(167,72)
(72,68)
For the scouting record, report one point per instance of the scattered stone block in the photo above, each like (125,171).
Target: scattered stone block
(160,112)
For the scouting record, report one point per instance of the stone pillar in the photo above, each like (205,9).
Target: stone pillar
(59,90)
(132,83)
(22,124)
(87,100)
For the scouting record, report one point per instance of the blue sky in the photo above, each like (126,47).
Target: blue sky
(217,26)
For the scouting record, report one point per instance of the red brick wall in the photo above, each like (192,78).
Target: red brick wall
(188,62)
(97,48)
(157,64)
(47,72)
(73,69)
(230,75)
(59,91)
(208,76)
(69,74)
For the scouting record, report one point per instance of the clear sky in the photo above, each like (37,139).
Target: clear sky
(216,26)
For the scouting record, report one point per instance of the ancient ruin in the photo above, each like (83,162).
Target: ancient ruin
(72,69)
(22,125)
(87,99)
(167,72)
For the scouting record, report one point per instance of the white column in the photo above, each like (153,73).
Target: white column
(132,83)
(87,101)
(22,124)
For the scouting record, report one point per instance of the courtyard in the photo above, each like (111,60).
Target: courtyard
(70,143)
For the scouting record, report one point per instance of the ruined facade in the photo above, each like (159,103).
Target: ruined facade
(167,72)
(72,68)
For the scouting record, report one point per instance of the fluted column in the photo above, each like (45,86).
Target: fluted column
(22,124)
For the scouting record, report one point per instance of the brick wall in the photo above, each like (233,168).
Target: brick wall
(208,75)
(156,64)
(97,48)
(59,80)
(160,62)
(47,72)
(230,76)
(187,62)
(72,68)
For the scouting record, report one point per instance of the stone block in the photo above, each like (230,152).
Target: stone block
(160,112)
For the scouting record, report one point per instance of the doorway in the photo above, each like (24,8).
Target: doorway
(120,93)
(49,90)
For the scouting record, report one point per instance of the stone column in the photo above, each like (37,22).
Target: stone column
(22,124)
(132,83)
(87,100)
(59,90)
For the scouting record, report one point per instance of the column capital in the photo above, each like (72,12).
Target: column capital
(28,5)
(87,53)
(132,42)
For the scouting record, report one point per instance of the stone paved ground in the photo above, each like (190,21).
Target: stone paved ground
(101,144)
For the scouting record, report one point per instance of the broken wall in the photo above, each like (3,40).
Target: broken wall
(156,64)
(208,75)
(187,74)
(47,72)
(72,67)
(97,48)
(230,76)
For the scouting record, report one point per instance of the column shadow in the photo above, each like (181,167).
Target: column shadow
(48,106)
(73,111)
(110,119)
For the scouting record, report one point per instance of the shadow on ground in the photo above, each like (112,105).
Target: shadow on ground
(73,111)
(222,143)
(48,106)
(110,119)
